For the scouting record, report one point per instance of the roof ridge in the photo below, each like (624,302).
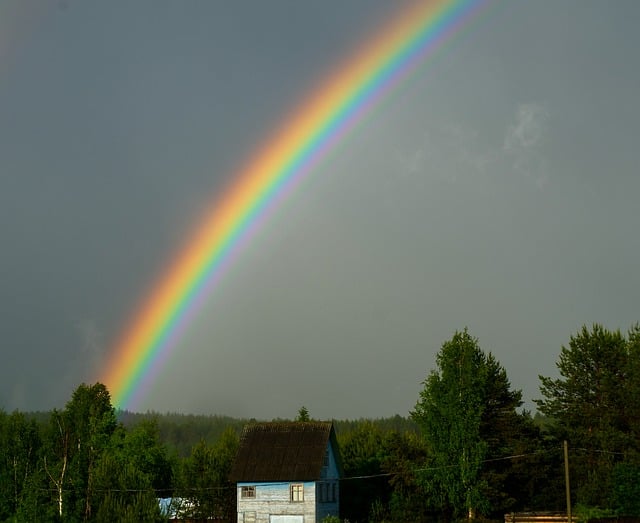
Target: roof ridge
(273,426)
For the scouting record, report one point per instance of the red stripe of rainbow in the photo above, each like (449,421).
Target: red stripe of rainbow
(287,155)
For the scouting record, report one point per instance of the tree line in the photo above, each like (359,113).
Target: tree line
(467,450)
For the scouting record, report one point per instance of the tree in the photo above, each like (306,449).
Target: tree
(76,438)
(123,492)
(131,473)
(204,479)
(631,391)
(468,414)
(403,454)
(361,460)
(143,449)
(303,414)
(507,432)
(92,421)
(56,454)
(594,405)
(449,412)
(626,489)
(20,443)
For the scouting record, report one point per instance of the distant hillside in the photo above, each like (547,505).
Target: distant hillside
(182,431)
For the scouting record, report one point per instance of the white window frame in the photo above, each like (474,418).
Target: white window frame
(248,492)
(296,492)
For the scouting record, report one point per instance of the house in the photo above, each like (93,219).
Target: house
(287,472)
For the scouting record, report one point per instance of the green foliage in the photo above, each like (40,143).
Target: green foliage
(123,492)
(395,423)
(81,464)
(592,370)
(468,415)
(143,449)
(403,454)
(595,406)
(303,414)
(381,465)
(133,471)
(95,470)
(584,513)
(449,412)
(89,421)
(132,464)
(334,519)
(204,485)
(626,489)
(20,443)
(360,451)
(74,441)
(180,432)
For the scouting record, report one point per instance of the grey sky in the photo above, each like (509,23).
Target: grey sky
(496,189)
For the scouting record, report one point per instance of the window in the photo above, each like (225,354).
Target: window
(322,492)
(297,492)
(248,492)
(327,492)
(249,517)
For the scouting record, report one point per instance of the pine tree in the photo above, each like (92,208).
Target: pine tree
(595,406)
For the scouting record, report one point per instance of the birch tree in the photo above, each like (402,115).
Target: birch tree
(449,412)
(76,437)
(467,411)
(56,457)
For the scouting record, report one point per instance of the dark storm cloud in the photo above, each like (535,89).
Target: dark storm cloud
(495,190)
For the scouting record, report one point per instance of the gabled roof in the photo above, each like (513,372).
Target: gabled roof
(283,451)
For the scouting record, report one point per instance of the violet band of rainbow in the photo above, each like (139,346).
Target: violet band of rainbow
(290,153)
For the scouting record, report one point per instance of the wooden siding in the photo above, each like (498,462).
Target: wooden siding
(273,456)
(274,499)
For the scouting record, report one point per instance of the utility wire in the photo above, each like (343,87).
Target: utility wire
(365,476)
(280,483)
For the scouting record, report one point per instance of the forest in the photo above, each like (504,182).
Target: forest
(466,451)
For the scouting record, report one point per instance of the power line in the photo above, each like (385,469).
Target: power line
(195,489)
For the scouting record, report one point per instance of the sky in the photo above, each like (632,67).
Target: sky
(495,189)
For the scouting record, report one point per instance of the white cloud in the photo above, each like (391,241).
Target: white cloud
(529,127)
(452,153)
(524,139)
(459,152)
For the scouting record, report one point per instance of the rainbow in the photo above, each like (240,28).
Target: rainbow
(290,153)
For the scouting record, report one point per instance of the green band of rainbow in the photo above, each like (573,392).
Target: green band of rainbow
(287,156)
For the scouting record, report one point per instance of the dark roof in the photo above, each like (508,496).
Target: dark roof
(283,451)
